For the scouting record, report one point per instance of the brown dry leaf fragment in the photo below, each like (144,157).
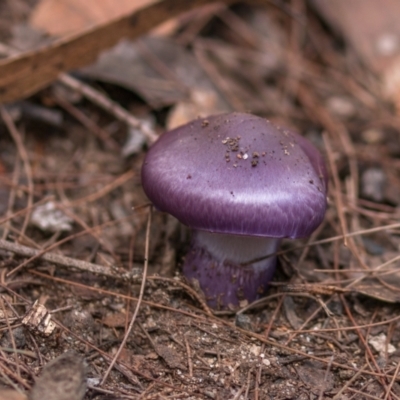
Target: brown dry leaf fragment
(373,32)
(12,395)
(314,375)
(290,312)
(23,75)
(136,361)
(115,320)
(201,103)
(139,362)
(374,289)
(170,356)
(162,71)
(63,378)
(125,356)
(63,17)
(38,319)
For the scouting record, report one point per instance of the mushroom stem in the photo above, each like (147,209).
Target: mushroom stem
(222,266)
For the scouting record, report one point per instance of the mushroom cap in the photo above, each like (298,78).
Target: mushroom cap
(238,174)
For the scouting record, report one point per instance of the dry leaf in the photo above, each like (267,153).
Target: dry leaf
(374,289)
(23,75)
(373,31)
(115,320)
(170,356)
(11,395)
(132,66)
(39,320)
(64,17)
(201,103)
(63,378)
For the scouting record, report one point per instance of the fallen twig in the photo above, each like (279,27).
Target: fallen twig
(107,104)
(62,260)
(23,75)
(140,298)
(16,136)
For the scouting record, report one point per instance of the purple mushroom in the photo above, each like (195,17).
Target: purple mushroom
(242,184)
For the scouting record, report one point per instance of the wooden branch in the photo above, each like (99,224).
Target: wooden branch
(62,260)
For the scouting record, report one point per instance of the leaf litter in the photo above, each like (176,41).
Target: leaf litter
(329,327)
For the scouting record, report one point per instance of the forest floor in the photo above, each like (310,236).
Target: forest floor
(77,229)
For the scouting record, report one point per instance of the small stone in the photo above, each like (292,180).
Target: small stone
(372,184)
(341,106)
(18,336)
(387,44)
(63,378)
(379,343)
(256,350)
(79,319)
(244,322)
(372,136)
(49,218)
